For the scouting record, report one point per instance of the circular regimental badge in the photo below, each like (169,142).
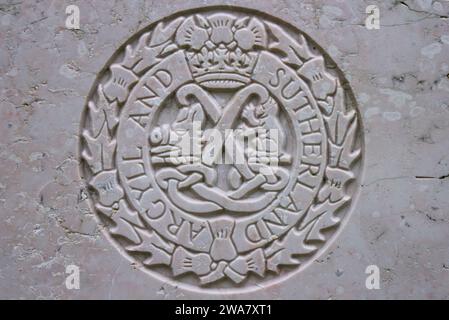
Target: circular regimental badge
(222,149)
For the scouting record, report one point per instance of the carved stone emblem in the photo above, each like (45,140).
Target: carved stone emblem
(234,219)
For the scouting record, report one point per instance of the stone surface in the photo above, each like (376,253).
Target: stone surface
(397,221)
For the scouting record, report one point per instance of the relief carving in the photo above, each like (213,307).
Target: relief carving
(219,149)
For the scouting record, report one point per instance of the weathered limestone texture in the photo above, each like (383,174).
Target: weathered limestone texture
(88,115)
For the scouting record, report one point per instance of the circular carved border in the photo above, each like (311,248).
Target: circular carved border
(283,252)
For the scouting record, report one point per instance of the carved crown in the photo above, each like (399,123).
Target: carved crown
(220,49)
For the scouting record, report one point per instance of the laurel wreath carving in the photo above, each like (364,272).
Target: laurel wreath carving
(99,149)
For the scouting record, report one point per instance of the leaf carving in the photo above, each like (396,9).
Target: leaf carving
(321,209)
(341,127)
(285,251)
(125,219)
(163,33)
(326,220)
(101,150)
(295,52)
(152,243)
(111,110)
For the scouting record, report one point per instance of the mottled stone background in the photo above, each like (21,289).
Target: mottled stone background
(400,75)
